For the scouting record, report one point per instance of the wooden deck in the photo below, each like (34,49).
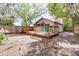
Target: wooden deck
(42,34)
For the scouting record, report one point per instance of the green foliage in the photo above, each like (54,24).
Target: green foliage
(29,11)
(6,21)
(1,37)
(60,10)
(76,23)
(1,21)
(67,23)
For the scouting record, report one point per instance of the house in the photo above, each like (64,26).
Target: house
(46,27)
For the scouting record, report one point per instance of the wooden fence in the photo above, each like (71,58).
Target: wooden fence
(12,29)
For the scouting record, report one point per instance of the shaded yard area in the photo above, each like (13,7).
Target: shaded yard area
(65,44)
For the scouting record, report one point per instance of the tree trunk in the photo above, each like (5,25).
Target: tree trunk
(73,18)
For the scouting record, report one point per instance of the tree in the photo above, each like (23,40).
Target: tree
(29,11)
(61,11)
(74,13)
(5,20)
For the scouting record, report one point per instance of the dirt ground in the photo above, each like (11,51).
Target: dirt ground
(64,44)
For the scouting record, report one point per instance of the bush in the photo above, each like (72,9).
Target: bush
(1,37)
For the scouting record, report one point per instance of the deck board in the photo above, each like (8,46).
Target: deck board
(43,34)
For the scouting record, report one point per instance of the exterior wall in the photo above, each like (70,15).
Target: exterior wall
(39,28)
(60,28)
(53,27)
(56,30)
(51,30)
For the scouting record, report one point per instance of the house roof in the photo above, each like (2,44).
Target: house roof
(37,20)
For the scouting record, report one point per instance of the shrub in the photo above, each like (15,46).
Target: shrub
(1,37)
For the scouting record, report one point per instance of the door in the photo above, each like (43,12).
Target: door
(46,29)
